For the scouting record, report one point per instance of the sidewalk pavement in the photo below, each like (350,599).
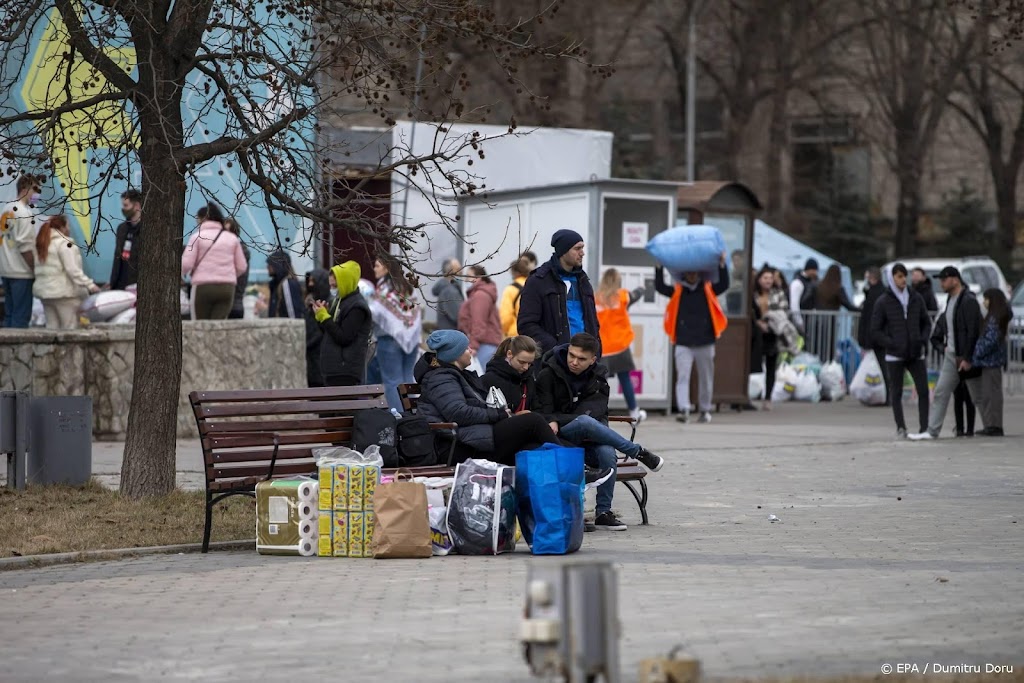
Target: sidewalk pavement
(884,552)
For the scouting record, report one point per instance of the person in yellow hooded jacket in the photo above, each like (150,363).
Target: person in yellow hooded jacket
(508,308)
(346,324)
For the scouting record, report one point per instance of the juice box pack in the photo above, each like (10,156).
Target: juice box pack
(346,510)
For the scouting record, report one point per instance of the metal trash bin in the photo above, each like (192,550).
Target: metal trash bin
(60,450)
(14,435)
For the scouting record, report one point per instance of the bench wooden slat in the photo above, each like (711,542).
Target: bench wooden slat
(261,470)
(264,395)
(311,424)
(261,455)
(284,439)
(288,407)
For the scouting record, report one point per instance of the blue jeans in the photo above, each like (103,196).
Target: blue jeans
(17,301)
(391,366)
(485,353)
(626,382)
(600,443)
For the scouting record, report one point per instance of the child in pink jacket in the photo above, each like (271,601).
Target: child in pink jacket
(215,259)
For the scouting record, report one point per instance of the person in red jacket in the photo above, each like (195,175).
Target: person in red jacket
(694,321)
(478,315)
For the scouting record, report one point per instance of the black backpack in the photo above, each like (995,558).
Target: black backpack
(415,442)
(376,426)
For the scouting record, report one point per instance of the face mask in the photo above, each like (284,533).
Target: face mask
(127,213)
(334,292)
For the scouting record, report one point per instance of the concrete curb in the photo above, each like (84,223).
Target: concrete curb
(35,561)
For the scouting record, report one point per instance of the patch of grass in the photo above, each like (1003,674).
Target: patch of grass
(59,519)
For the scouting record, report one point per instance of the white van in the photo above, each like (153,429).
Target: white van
(978,272)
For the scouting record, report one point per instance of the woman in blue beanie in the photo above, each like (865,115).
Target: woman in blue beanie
(449,393)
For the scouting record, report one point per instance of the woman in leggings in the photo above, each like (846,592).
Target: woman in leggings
(448,393)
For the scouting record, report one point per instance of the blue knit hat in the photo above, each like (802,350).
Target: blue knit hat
(563,240)
(447,344)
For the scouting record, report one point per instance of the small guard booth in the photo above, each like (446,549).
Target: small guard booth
(731,207)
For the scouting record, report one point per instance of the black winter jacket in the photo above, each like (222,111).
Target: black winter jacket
(321,292)
(542,306)
(513,385)
(346,337)
(448,394)
(902,337)
(926,291)
(556,399)
(871,296)
(967,322)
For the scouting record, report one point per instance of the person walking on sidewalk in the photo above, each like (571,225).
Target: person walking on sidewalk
(803,292)
(617,334)
(922,284)
(572,393)
(558,300)
(963,325)
(873,291)
(990,356)
(694,321)
(478,316)
(900,325)
(964,411)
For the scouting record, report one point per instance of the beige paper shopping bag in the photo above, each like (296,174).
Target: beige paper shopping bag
(403,526)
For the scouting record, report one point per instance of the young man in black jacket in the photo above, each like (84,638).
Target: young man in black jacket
(900,325)
(124,270)
(572,393)
(963,326)
(557,300)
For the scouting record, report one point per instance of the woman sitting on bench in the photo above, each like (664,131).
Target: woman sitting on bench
(448,393)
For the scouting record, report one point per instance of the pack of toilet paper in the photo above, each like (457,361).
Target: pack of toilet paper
(287,517)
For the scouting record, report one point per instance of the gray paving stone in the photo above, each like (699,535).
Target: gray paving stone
(847,580)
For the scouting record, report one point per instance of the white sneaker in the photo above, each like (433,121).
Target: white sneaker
(923,436)
(704,417)
(638,414)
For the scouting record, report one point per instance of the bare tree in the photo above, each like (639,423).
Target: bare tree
(133,85)
(912,63)
(991,101)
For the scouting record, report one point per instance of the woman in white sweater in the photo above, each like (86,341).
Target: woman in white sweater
(60,279)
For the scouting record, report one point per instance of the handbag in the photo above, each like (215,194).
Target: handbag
(549,496)
(402,525)
(496,399)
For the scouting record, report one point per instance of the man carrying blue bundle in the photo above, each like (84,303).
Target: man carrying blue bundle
(557,300)
(694,321)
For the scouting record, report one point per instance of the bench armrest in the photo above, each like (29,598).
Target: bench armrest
(633,424)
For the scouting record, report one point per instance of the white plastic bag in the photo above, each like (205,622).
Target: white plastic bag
(755,386)
(785,383)
(807,388)
(103,306)
(833,381)
(807,362)
(474,366)
(440,541)
(341,455)
(868,385)
(496,399)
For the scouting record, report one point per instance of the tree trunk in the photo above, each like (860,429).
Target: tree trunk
(908,210)
(149,458)
(777,191)
(1006,231)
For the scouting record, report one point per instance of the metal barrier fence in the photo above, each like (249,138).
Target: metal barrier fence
(825,330)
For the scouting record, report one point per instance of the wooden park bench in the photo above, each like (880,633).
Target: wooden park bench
(252,436)
(628,472)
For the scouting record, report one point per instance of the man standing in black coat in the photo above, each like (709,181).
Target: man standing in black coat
(124,271)
(963,325)
(900,325)
(557,300)
(572,393)
(873,290)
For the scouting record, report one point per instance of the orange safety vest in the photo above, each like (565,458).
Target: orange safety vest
(616,328)
(718,320)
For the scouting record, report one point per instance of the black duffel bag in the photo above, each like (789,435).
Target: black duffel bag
(376,427)
(415,442)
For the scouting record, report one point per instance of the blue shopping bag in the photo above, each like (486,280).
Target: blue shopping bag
(549,493)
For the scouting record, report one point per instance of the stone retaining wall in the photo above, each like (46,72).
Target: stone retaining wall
(99,362)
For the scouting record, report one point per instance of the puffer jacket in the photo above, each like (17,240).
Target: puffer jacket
(990,351)
(900,337)
(448,394)
(314,336)
(513,385)
(60,276)
(346,325)
(478,315)
(556,399)
(213,256)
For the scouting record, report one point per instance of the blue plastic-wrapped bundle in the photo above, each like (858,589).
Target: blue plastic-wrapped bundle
(689,248)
